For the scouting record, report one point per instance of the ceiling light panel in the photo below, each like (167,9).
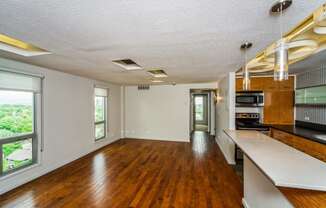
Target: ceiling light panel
(127,64)
(158,73)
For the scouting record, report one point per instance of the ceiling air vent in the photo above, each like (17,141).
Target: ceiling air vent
(143,87)
(127,64)
(158,73)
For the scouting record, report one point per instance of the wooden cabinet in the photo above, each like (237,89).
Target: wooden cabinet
(267,84)
(286,107)
(238,84)
(312,148)
(270,84)
(279,107)
(271,108)
(287,85)
(256,83)
(279,98)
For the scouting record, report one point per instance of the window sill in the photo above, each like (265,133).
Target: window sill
(100,139)
(5,177)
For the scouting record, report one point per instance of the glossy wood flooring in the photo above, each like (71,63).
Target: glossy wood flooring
(138,173)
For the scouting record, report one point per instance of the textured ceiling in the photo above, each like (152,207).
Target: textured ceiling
(193,41)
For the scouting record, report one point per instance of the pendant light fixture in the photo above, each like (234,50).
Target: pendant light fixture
(281,64)
(245,71)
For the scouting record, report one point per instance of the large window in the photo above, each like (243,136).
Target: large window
(18,129)
(100,113)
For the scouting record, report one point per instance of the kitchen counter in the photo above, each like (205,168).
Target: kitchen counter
(283,165)
(317,136)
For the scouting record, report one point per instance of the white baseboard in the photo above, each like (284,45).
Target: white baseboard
(158,139)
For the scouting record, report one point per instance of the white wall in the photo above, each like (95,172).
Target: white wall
(212,116)
(225,116)
(68,120)
(259,191)
(162,113)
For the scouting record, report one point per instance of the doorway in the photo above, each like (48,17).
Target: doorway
(201,112)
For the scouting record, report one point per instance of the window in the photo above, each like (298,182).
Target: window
(100,113)
(18,130)
(199,108)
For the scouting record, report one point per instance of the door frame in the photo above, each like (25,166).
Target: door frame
(211,92)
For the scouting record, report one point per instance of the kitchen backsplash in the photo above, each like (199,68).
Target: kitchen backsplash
(312,114)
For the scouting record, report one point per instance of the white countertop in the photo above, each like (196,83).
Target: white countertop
(282,164)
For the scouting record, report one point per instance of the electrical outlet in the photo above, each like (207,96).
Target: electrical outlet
(306,118)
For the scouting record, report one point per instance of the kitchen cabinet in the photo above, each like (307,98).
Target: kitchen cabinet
(270,84)
(256,83)
(238,84)
(279,98)
(267,84)
(287,85)
(312,148)
(271,108)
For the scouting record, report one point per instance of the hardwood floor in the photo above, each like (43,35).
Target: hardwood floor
(138,173)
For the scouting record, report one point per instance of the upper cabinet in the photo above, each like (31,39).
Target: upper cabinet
(279,98)
(311,96)
(267,84)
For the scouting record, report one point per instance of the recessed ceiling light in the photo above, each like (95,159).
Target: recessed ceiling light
(19,47)
(158,73)
(127,64)
(157,81)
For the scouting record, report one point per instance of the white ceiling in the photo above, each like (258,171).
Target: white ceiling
(192,40)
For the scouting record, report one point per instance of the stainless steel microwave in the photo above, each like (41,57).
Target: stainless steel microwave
(250,99)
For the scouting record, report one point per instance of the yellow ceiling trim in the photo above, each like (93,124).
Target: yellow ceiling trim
(304,26)
(19,44)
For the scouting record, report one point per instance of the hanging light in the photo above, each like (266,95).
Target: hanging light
(281,65)
(245,70)
(246,79)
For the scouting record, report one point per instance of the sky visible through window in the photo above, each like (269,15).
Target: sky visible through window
(15,97)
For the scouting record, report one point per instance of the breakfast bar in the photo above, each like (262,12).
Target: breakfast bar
(270,166)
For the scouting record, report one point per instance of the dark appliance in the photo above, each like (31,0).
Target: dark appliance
(249,99)
(248,121)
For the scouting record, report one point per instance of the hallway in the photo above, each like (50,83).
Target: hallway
(138,173)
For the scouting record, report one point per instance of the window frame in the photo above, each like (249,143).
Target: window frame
(33,135)
(104,122)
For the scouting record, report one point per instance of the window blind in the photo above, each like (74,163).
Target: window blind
(101,92)
(17,81)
